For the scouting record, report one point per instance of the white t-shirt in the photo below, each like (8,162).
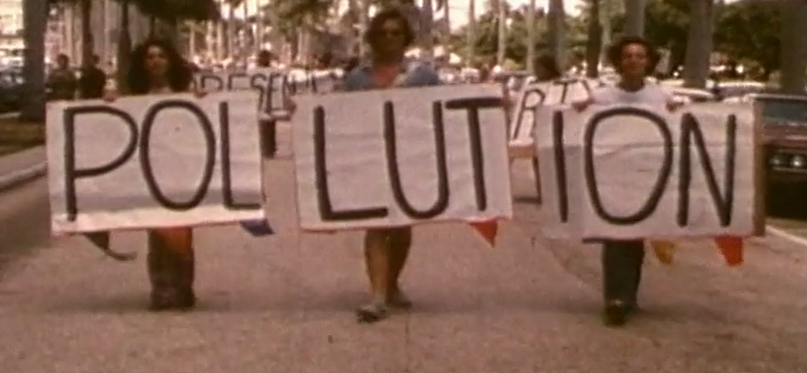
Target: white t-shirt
(650,94)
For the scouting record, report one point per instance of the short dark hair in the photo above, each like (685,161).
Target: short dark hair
(371,35)
(549,63)
(614,53)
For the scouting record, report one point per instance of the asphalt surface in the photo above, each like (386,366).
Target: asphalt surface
(284,303)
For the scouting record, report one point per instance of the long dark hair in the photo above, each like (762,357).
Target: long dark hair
(371,35)
(614,53)
(179,76)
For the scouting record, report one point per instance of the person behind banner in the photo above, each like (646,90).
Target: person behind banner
(157,68)
(268,126)
(386,250)
(62,83)
(545,69)
(633,59)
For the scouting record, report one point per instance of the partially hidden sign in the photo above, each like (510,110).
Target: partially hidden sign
(401,157)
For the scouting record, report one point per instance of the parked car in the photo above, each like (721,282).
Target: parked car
(11,86)
(784,139)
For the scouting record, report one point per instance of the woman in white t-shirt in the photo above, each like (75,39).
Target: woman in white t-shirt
(633,58)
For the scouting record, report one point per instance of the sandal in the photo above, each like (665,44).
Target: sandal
(371,313)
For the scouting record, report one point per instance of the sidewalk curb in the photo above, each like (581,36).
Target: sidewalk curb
(16,178)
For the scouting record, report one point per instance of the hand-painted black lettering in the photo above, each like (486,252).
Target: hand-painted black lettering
(532,91)
(443,194)
(724,202)
(326,209)
(145,161)
(565,92)
(205,81)
(233,78)
(588,164)
(473,105)
(71,173)
(226,165)
(560,165)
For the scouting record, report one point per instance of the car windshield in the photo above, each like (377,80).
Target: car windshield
(783,111)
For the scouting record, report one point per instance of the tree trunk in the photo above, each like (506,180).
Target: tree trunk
(124,47)
(557,38)
(699,44)
(35,20)
(502,33)
(470,40)
(426,18)
(86,33)
(634,17)
(531,36)
(231,33)
(594,42)
(794,56)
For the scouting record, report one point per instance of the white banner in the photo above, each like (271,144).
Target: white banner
(530,99)
(400,157)
(154,161)
(626,172)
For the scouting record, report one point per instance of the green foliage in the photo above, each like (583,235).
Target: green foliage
(172,10)
(750,30)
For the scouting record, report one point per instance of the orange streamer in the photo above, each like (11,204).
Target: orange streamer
(488,230)
(732,249)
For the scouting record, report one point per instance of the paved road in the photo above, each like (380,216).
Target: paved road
(284,304)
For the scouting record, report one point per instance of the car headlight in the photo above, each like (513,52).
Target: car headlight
(798,161)
(777,160)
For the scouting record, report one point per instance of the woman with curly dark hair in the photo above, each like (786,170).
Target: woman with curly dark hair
(156,67)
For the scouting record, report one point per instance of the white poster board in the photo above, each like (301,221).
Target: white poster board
(531,98)
(153,161)
(626,172)
(400,157)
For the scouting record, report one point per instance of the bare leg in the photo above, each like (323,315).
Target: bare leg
(400,243)
(377,258)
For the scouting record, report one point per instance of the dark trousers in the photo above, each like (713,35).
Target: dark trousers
(268,133)
(622,270)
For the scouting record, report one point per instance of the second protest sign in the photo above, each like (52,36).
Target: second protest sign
(401,157)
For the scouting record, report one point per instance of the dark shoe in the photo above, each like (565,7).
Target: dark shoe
(371,313)
(615,313)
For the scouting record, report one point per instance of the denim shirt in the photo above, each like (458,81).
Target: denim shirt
(413,74)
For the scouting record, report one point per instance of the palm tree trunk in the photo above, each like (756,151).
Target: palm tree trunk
(699,44)
(86,33)
(502,33)
(35,20)
(794,57)
(531,36)
(557,38)
(426,34)
(124,46)
(594,42)
(470,40)
(231,33)
(364,21)
(634,17)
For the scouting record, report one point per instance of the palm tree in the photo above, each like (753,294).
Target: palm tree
(557,21)
(471,35)
(35,13)
(634,16)
(594,42)
(794,57)
(699,44)
(531,35)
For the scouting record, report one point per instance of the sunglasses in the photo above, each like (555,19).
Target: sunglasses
(390,32)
